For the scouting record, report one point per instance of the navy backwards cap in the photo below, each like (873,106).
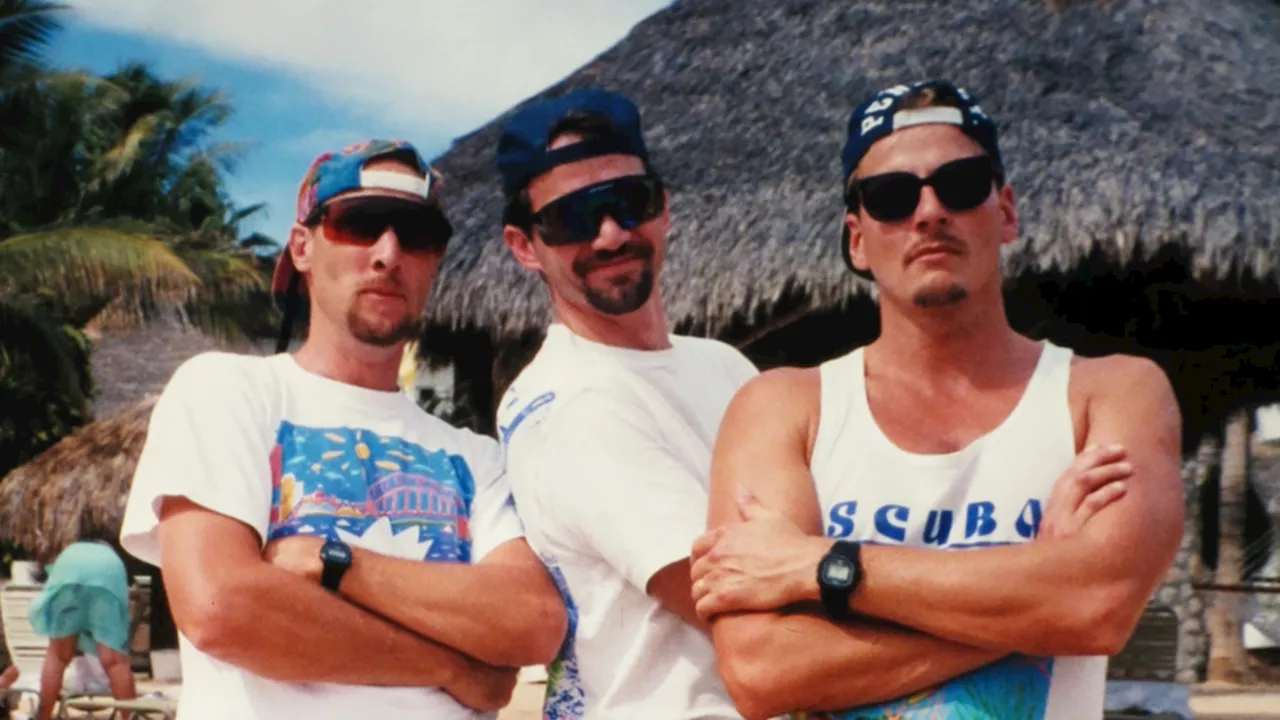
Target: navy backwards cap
(523,147)
(879,116)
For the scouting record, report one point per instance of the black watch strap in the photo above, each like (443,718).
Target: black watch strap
(336,559)
(839,574)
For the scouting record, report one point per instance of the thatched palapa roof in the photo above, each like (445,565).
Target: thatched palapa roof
(76,489)
(1126,126)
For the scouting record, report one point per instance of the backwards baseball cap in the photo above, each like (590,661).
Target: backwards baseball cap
(881,115)
(524,147)
(343,174)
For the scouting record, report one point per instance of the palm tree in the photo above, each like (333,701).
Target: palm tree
(26,27)
(1228,661)
(112,206)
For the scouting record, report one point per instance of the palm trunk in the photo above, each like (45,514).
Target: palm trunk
(1228,661)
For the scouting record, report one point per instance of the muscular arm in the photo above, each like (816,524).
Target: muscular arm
(504,611)
(764,445)
(1079,595)
(671,587)
(240,609)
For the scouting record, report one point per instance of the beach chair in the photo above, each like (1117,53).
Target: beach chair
(145,708)
(27,650)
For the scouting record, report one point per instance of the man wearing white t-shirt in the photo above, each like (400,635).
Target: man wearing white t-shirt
(609,429)
(330,550)
(956,520)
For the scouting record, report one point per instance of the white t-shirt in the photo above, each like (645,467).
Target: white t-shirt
(609,455)
(289,452)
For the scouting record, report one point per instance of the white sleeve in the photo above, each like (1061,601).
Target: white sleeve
(208,440)
(605,474)
(493,513)
(739,366)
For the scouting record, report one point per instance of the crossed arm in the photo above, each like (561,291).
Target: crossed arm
(504,611)
(763,446)
(241,609)
(1078,594)
(255,613)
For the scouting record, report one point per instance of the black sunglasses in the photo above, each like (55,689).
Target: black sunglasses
(960,185)
(418,227)
(575,218)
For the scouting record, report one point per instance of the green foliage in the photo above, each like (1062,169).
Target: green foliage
(45,384)
(113,209)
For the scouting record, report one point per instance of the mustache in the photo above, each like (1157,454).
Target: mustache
(638,251)
(937,236)
(383,286)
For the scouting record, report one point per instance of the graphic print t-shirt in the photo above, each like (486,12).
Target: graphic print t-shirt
(992,492)
(609,455)
(288,452)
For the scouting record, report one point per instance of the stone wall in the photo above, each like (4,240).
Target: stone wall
(1177,592)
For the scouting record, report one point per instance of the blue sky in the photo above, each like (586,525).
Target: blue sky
(306,76)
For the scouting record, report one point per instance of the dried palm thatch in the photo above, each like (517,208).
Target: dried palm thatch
(1127,126)
(76,489)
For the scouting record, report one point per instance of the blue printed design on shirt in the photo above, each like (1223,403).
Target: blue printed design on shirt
(565,698)
(506,431)
(1016,687)
(379,492)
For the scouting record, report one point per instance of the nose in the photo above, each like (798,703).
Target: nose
(930,212)
(386,253)
(611,236)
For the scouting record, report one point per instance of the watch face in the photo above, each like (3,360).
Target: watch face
(334,552)
(838,572)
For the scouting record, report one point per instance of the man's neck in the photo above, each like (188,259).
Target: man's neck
(971,339)
(340,357)
(644,329)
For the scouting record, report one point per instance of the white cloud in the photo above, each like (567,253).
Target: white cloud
(405,61)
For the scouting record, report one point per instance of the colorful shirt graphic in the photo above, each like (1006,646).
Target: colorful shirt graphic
(1016,688)
(565,699)
(381,493)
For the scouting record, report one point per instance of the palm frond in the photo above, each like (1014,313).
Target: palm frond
(131,149)
(258,240)
(45,383)
(26,26)
(239,215)
(43,348)
(223,276)
(83,264)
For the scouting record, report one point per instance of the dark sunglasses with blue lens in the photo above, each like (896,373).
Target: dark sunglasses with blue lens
(575,218)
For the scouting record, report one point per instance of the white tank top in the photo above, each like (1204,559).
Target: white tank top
(992,492)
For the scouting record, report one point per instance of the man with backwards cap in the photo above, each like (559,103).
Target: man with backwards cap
(330,550)
(831,485)
(609,429)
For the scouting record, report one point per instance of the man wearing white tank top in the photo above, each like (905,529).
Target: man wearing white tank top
(609,429)
(1054,479)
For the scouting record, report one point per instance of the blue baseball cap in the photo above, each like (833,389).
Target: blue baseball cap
(523,146)
(879,116)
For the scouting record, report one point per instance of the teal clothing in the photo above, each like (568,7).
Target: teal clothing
(87,594)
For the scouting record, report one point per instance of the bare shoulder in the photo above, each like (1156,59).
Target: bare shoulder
(1119,375)
(776,404)
(1122,393)
(783,390)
